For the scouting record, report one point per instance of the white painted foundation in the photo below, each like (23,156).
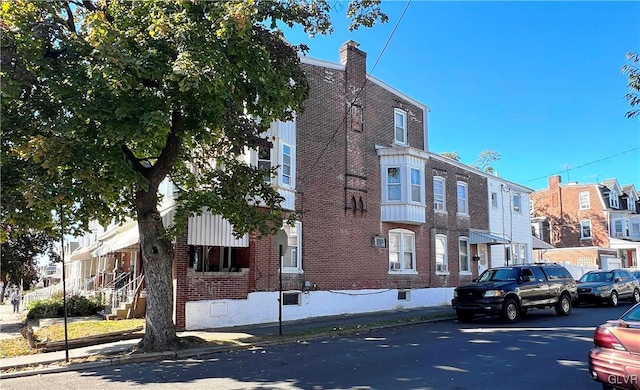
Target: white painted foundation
(262,307)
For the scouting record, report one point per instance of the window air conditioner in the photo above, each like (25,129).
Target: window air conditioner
(619,234)
(441,267)
(395,266)
(379,242)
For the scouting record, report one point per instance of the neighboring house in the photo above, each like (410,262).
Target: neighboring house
(587,222)
(496,223)
(509,218)
(382,223)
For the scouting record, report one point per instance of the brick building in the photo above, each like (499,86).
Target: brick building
(587,222)
(382,223)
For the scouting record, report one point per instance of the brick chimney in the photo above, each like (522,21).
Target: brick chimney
(355,63)
(554,182)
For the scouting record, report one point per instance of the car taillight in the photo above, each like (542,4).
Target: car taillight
(605,339)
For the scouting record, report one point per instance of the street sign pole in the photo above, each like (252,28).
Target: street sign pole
(282,242)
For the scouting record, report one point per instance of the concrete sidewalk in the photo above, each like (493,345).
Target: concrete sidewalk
(221,339)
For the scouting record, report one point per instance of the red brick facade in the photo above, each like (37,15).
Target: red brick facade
(338,198)
(560,204)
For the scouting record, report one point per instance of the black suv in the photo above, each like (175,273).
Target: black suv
(510,291)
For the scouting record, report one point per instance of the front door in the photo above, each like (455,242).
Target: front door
(483,261)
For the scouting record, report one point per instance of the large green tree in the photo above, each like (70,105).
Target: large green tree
(18,257)
(102,100)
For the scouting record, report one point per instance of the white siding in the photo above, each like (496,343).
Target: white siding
(504,222)
(213,230)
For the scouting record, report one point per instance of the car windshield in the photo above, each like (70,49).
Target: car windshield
(632,315)
(597,277)
(499,275)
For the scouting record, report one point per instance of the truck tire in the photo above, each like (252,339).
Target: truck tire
(464,315)
(510,311)
(563,306)
(613,299)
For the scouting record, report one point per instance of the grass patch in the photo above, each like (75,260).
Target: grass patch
(19,346)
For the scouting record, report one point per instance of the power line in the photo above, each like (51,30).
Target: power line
(344,118)
(583,165)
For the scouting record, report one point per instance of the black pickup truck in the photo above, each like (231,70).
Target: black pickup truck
(510,291)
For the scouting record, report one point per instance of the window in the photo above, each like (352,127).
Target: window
(635,230)
(516,203)
(400,125)
(519,253)
(463,254)
(292,299)
(291,260)
(438,193)
(394,185)
(585,228)
(613,200)
(463,201)
(617,228)
(583,200)
(286,164)
(416,185)
(264,161)
(441,254)
(494,200)
(401,250)
(203,258)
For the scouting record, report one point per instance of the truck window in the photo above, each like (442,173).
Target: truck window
(539,275)
(499,274)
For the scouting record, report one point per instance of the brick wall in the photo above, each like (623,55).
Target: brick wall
(338,187)
(560,204)
(449,223)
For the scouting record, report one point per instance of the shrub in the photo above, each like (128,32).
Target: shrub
(77,306)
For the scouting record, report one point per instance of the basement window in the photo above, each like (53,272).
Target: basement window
(403,295)
(289,299)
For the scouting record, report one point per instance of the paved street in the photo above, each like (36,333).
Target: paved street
(542,351)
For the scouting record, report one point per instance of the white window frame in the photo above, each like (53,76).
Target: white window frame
(399,127)
(439,199)
(286,179)
(619,226)
(399,249)
(464,261)
(585,224)
(394,185)
(517,203)
(584,200)
(494,199)
(294,249)
(416,187)
(613,200)
(263,162)
(463,202)
(442,261)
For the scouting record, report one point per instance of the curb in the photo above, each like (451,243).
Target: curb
(187,353)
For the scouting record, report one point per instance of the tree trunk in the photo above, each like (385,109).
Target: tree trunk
(157,257)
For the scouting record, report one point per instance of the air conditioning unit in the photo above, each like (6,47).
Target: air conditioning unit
(395,266)
(619,234)
(379,242)
(441,267)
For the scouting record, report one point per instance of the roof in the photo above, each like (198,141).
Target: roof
(540,244)
(477,237)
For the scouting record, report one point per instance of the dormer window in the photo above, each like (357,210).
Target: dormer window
(613,200)
(400,126)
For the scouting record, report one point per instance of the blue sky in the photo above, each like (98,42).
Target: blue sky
(538,82)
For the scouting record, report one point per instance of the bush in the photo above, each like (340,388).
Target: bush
(77,306)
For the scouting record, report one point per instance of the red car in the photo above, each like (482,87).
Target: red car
(614,360)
